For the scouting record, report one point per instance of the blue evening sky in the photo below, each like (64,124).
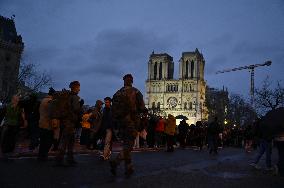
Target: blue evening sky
(98,41)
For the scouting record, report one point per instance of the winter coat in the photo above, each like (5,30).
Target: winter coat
(106,122)
(170,125)
(44,120)
(96,120)
(160,125)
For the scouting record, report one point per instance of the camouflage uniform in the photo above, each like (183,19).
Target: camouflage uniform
(67,140)
(127,105)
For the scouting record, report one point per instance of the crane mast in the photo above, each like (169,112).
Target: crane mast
(251,70)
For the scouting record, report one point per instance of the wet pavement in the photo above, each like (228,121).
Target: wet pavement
(153,168)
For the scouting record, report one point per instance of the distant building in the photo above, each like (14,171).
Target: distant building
(11,48)
(217,102)
(180,97)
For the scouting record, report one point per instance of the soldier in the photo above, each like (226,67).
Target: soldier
(126,108)
(68,123)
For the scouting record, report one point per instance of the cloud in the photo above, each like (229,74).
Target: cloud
(258,51)
(216,63)
(98,41)
(100,63)
(222,40)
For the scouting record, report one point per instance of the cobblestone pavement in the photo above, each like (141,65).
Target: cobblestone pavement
(155,168)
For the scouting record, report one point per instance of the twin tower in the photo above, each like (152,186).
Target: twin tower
(183,97)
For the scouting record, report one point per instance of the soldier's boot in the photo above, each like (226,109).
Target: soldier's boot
(113,167)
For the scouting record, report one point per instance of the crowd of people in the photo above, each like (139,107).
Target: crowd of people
(56,121)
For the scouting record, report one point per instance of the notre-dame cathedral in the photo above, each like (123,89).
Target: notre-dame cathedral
(180,97)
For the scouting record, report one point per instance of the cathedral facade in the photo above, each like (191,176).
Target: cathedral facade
(183,97)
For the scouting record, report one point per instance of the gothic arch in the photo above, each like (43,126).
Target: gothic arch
(192,68)
(160,71)
(155,70)
(186,69)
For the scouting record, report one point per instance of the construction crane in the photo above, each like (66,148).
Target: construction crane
(251,69)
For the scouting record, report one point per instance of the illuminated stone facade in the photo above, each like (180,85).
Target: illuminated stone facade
(184,96)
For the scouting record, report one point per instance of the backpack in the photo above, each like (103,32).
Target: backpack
(127,100)
(60,105)
(120,104)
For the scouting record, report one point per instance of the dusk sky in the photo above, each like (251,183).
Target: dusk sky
(98,41)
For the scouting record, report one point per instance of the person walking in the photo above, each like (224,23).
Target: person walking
(151,131)
(13,116)
(265,144)
(32,115)
(213,135)
(170,129)
(86,126)
(96,120)
(159,132)
(127,106)
(183,129)
(248,138)
(68,123)
(106,130)
(46,129)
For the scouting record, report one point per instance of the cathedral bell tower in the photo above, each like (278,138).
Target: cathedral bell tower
(191,73)
(191,65)
(160,67)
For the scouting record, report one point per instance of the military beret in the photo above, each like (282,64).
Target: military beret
(128,76)
(107,99)
(74,83)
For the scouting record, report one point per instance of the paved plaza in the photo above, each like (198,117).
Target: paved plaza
(153,168)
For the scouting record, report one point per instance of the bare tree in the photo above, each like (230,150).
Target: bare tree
(240,111)
(30,76)
(229,108)
(268,98)
(217,102)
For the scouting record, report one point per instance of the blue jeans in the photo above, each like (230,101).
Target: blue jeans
(264,146)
